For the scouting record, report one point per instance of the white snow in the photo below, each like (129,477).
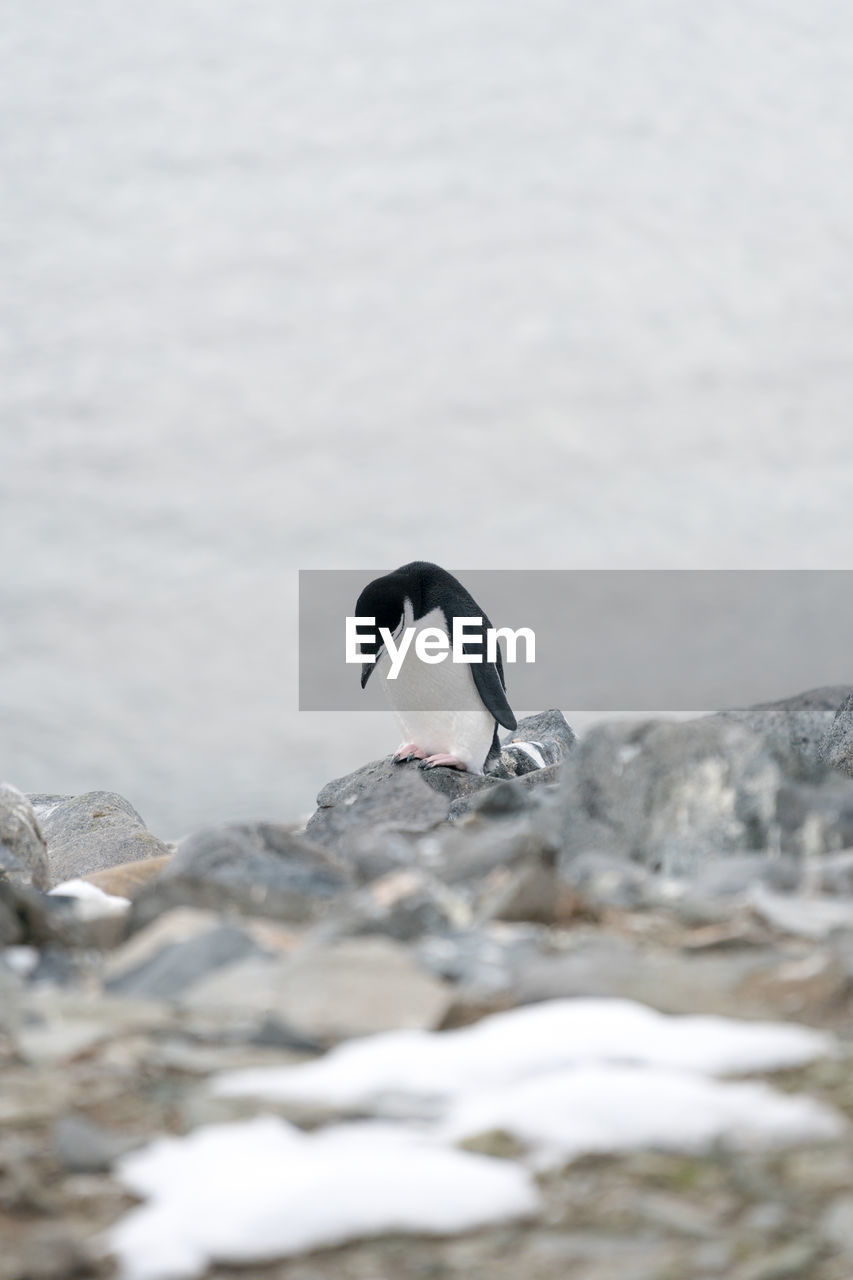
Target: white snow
(21,960)
(608,1108)
(92,902)
(564,1077)
(262,1189)
(427,1070)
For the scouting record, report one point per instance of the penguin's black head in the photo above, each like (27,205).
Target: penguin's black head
(385,600)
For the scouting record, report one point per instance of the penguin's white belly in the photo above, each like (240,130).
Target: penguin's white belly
(437,705)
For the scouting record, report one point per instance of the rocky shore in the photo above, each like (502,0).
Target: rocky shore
(608,990)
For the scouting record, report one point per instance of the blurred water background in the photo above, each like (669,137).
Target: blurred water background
(326,285)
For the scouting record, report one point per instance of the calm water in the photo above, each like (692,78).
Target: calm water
(330,285)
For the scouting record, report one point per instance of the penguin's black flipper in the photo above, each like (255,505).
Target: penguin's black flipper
(488,678)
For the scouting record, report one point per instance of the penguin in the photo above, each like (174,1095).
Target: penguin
(449,711)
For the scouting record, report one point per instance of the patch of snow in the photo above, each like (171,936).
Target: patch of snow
(606,1108)
(92,902)
(21,960)
(261,1189)
(430,1069)
(564,1077)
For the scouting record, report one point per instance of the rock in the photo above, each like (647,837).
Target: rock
(459,855)
(328,992)
(128,878)
(83,1147)
(506,870)
(102,914)
(836,1225)
(605,881)
(538,741)
(482,960)
(788,1262)
(382,803)
(38,919)
(526,791)
(754,982)
(385,798)
(737,873)
(11,931)
(815,817)
(459,787)
(256,868)
(178,949)
(23,852)
(669,795)
(794,729)
(834,874)
(807,917)
(44,803)
(402,904)
(504,800)
(529,890)
(52,1252)
(836,749)
(90,832)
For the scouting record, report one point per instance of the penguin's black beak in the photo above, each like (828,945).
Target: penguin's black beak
(367,667)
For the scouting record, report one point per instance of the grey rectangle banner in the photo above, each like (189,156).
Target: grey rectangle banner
(616,640)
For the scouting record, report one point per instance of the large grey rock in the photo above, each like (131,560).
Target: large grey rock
(795,729)
(175,951)
(389,799)
(93,831)
(23,852)
(329,992)
(381,800)
(259,868)
(669,795)
(836,749)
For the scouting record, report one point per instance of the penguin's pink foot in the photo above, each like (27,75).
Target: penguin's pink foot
(450,762)
(409,751)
